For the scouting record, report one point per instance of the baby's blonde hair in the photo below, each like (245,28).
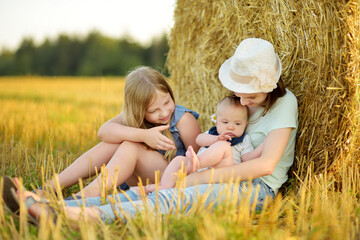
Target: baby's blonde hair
(233,101)
(140,89)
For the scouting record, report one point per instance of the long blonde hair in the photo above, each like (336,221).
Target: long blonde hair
(140,88)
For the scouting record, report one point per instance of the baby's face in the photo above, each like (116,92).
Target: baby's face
(231,120)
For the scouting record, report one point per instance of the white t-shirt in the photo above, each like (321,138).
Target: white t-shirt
(240,149)
(283,114)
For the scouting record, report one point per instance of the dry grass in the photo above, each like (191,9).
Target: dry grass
(52,118)
(49,123)
(318,42)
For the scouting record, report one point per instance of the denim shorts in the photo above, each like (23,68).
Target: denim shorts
(125,205)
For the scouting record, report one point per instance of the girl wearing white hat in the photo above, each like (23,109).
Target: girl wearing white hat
(253,74)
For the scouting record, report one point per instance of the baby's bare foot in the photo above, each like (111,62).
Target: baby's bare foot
(193,160)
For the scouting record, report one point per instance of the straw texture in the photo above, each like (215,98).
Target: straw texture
(318,42)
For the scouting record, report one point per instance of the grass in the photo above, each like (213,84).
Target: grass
(46,123)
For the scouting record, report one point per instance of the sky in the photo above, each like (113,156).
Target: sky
(40,19)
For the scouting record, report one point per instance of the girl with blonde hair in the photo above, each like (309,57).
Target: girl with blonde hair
(142,139)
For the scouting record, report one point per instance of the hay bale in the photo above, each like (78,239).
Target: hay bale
(318,43)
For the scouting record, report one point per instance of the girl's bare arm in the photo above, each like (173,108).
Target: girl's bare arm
(113,131)
(188,129)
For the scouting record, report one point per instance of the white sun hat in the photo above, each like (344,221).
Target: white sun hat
(254,68)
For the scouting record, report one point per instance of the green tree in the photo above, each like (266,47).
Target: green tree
(24,57)
(99,56)
(46,59)
(131,55)
(95,55)
(155,54)
(7,60)
(69,52)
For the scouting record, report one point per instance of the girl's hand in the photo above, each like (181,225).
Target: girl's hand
(156,140)
(223,137)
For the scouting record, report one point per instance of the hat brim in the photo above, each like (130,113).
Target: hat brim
(232,85)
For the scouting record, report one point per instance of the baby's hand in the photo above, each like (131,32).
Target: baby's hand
(223,137)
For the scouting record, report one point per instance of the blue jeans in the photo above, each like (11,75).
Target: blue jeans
(171,199)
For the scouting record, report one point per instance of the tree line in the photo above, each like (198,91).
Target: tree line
(94,55)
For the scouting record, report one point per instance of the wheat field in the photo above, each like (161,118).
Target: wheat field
(46,123)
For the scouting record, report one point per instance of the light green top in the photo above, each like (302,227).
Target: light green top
(283,114)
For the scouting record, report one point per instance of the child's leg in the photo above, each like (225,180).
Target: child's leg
(168,179)
(218,154)
(85,165)
(130,161)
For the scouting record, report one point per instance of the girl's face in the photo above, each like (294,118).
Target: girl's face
(252,100)
(160,109)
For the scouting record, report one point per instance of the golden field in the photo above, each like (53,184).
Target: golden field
(45,123)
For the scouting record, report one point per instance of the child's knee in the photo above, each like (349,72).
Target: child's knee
(129,145)
(224,145)
(179,161)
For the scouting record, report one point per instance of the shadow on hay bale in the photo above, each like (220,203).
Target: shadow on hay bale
(318,43)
